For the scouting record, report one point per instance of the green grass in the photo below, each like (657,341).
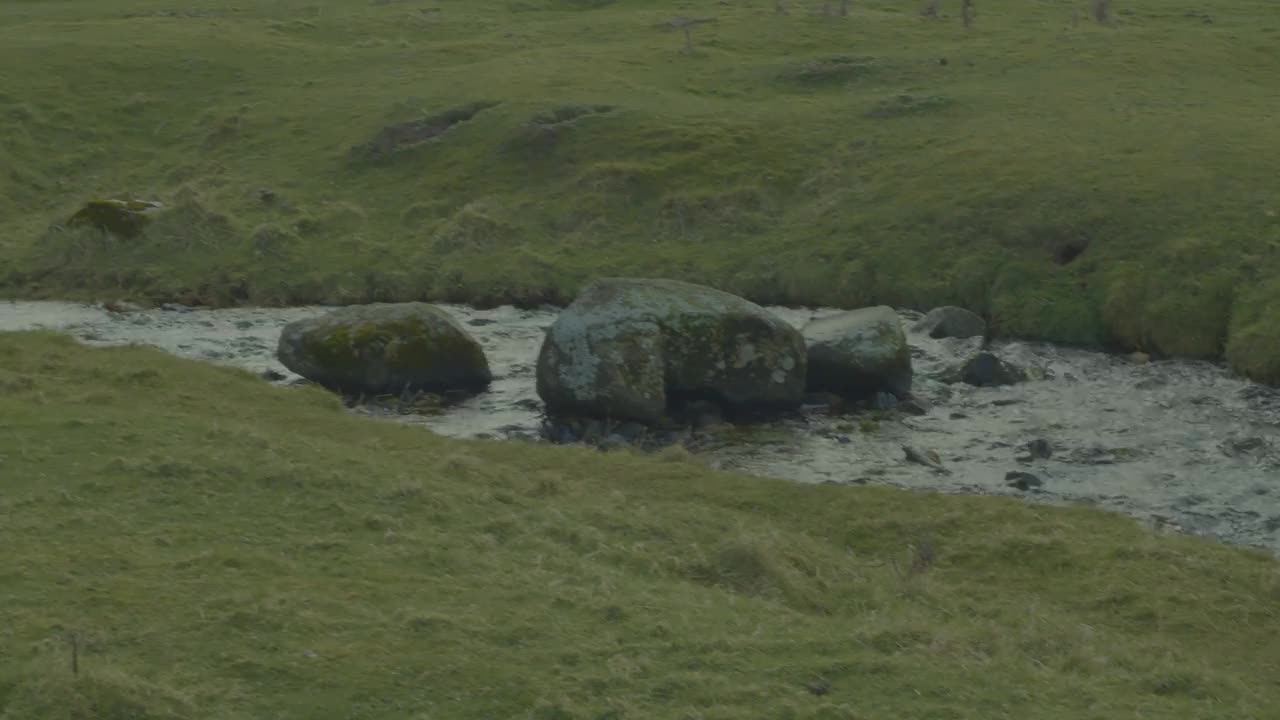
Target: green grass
(224,549)
(796,159)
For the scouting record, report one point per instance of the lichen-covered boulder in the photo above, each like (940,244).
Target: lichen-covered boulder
(628,349)
(385,348)
(951,322)
(859,353)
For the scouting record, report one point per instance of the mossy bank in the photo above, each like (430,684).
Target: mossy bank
(184,541)
(1073,181)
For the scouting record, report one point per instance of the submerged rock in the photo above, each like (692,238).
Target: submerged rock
(951,322)
(988,370)
(633,348)
(385,348)
(859,353)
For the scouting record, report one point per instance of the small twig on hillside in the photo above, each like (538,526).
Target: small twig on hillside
(930,9)
(968,12)
(923,553)
(73,639)
(1102,11)
(844,7)
(780,7)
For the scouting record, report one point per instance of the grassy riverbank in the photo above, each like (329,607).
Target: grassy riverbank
(1075,181)
(217,548)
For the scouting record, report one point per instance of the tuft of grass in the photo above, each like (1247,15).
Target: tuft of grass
(1097,184)
(220,548)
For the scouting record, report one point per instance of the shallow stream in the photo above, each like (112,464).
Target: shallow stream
(1180,444)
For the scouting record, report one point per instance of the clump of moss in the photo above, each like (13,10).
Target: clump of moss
(830,70)
(909,105)
(392,138)
(120,217)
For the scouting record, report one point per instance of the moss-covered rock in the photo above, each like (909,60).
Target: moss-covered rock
(631,348)
(385,348)
(859,353)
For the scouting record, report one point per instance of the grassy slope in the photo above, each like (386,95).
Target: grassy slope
(1148,140)
(228,550)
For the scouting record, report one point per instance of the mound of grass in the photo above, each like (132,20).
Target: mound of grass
(182,541)
(1079,182)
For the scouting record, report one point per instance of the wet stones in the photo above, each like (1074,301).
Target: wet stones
(634,349)
(951,322)
(385,349)
(859,354)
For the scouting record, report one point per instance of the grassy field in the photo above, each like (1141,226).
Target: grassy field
(185,541)
(1077,182)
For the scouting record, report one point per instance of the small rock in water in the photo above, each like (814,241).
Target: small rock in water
(927,458)
(244,324)
(958,416)
(913,406)
(1022,481)
(1139,358)
(175,307)
(1235,447)
(951,322)
(480,322)
(988,370)
(273,376)
(1098,455)
(1038,449)
(1005,402)
(121,307)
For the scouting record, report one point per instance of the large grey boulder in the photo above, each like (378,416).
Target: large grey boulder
(629,349)
(951,322)
(385,348)
(859,353)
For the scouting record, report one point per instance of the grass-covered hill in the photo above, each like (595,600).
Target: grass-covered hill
(1075,181)
(182,541)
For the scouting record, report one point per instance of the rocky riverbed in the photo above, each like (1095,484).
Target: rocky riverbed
(1183,445)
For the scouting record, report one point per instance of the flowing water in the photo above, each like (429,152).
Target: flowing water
(1183,445)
